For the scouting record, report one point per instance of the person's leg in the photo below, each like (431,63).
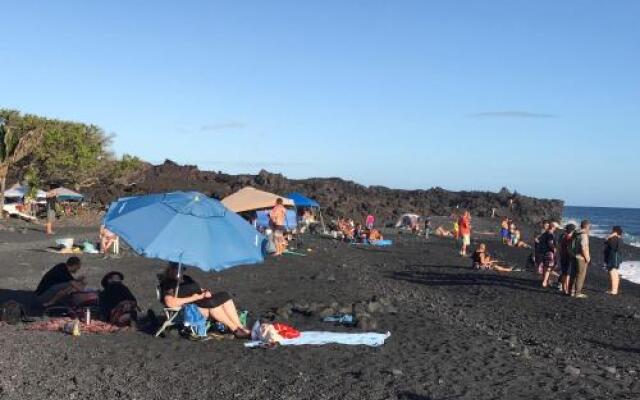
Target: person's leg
(59,295)
(499,268)
(232,313)
(545,278)
(581,274)
(219,314)
(615,280)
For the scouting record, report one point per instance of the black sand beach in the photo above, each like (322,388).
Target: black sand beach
(456,333)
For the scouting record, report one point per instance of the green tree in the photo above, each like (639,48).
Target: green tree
(18,139)
(73,154)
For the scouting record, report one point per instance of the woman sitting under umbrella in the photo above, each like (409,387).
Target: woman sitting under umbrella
(213,306)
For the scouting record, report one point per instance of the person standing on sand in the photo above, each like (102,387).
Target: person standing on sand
(582,254)
(277,219)
(465,231)
(548,252)
(51,213)
(613,259)
(565,259)
(369,221)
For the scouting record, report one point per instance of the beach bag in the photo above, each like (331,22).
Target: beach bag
(12,312)
(574,246)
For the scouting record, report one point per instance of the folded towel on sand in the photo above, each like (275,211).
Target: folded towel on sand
(371,339)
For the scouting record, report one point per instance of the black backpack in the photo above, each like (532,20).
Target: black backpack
(12,312)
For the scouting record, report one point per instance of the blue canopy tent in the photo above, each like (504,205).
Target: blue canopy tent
(301,201)
(185,227)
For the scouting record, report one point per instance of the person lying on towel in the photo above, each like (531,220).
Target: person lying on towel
(118,305)
(59,284)
(179,291)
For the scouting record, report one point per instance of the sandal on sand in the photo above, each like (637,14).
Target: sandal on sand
(581,296)
(242,334)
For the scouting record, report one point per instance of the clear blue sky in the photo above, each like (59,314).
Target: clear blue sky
(539,96)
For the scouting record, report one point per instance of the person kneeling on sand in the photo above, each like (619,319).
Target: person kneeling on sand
(177,291)
(59,283)
(482,260)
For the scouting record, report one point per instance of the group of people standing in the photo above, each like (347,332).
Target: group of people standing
(571,252)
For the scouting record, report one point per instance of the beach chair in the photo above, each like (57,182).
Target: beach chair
(171,314)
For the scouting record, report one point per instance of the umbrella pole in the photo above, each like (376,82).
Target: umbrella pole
(179,275)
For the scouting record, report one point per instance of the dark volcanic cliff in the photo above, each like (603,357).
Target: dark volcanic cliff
(337,197)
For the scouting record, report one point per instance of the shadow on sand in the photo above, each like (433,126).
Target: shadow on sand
(476,278)
(613,347)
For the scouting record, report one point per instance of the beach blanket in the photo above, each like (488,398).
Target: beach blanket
(379,243)
(57,325)
(316,338)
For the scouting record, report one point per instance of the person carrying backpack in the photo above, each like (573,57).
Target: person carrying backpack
(582,256)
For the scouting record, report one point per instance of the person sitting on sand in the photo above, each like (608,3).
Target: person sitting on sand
(107,239)
(442,232)
(118,305)
(516,238)
(177,291)
(359,234)
(59,283)
(375,235)
(504,230)
(482,260)
(613,258)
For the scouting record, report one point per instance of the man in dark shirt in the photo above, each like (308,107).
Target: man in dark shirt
(59,282)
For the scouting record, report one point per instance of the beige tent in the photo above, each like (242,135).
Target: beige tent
(249,199)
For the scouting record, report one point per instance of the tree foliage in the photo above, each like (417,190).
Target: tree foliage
(67,153)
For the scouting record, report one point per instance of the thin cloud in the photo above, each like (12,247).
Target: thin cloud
(512,114)
(222,126)
(254,164)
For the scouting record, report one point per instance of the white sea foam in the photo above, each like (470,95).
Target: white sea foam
(630,270)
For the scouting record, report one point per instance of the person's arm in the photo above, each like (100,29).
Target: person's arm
(584,249)
(178,302)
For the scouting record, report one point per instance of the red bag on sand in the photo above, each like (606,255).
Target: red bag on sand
(286,331)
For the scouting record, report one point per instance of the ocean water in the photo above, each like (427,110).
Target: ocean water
(602,220)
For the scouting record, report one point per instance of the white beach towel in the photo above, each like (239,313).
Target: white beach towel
(317,338)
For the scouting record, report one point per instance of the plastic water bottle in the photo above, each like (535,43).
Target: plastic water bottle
(87,316)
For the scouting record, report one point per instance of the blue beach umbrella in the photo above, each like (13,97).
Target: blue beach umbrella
(185,227)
